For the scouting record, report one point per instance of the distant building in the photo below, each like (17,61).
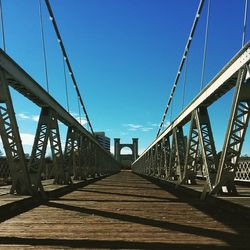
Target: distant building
(103,140)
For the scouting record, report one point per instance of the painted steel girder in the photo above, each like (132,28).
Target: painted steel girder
(71,153)
(167,152)
(37,158)
(171,169)
(235,135)
(147,160)
(90,157)
(98,162)
(12,141)
(142,166)
(219,85)
(152,162)
(90,161)
(85,157)
(76,156)
(94,160)
(178,154)
(156,163)
(207,146)
(164,157)
(149,153)
(161,160)
(61,174)
(161,155)
(191,154)
(81,170)
(28,87)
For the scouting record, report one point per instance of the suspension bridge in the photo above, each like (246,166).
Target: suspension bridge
(181,192)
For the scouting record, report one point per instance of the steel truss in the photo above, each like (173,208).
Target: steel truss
(165,171)
(61,173)
(155,162)
(207,147)
(191,157)
(183,162)
(76,156)
(12,141)
(85,158)
(69,150)
(37,158)
(82,154)
(177,154)
(236,131)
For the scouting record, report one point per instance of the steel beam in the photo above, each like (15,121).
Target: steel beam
(12,141)
(173,159)
(235,135)
(177,155)
(81,171)
(37,158)
(161,155)
(61,172)
(78,159)
(207,146)
(219,85)
(191,157)
(69,151)
(27,86)
(166,151)
(27,179)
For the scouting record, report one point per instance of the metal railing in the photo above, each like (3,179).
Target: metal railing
(242,172)
(82,156)
(179,157)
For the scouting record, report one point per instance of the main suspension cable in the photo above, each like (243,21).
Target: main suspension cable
(205,46)
(43,46)
(79,110)
(184,84)
(66,84)
(52,18)
(2,26)
(182,62)
(245,23)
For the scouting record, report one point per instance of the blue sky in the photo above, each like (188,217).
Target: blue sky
(125,55)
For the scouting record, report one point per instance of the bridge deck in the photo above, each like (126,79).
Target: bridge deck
(124,211)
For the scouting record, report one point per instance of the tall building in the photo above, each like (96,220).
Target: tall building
(103,140)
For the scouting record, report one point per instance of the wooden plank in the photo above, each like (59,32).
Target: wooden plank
(124,211)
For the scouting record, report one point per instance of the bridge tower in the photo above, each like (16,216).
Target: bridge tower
(126,159)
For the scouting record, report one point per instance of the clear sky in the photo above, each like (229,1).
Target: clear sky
(125,55)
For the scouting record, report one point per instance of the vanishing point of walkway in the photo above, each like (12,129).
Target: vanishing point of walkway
(125,211)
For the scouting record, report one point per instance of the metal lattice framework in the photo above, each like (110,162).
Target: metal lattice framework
(198,156)
(79,160)
(242,172)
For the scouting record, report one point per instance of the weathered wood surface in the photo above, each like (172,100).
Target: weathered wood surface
(242,199)
(125,211)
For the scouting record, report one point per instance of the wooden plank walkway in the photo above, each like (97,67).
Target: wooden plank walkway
(125,211)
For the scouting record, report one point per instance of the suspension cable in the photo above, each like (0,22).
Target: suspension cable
(66,85)
(182,62)
(205,46)
(184,84)
(2,26)
(171,110)
(79,111)
(43,46)
(52,18)
(245,23)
